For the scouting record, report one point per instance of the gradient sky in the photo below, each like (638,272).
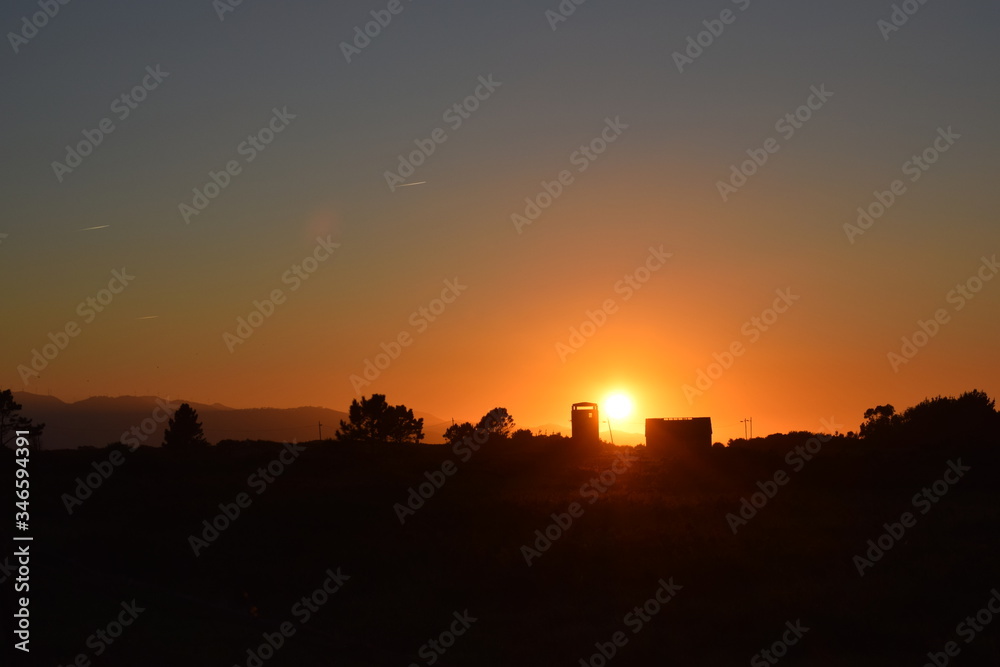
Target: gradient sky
(496,345)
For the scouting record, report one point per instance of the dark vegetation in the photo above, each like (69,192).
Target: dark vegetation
(184,432)
(374,420)
(11,419)
(336,506)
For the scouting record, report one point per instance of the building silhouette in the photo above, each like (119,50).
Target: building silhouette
(586,422)
(678,436)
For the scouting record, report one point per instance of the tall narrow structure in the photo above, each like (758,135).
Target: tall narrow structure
(586,422)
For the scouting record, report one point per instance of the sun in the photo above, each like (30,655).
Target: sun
(618,406)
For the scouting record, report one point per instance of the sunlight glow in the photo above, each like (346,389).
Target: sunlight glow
(618,406)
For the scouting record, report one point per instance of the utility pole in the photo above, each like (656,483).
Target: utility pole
(320,430)
(610,433)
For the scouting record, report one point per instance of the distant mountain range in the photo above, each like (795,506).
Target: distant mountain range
(101,420)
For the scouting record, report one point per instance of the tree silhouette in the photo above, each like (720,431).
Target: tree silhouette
(458,432)
(184,431)
(11,421)
(374,420)
(971,417)
(880,422)
(522,435)
(497,422)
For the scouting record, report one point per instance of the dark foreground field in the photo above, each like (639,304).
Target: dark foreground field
(331,511)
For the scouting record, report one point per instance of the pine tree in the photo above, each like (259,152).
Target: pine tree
(184,431)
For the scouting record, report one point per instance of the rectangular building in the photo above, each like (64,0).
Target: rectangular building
(678,436)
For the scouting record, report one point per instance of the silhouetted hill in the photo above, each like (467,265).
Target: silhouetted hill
(434,426)
(99,420)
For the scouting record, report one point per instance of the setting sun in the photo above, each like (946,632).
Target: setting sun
(618,406)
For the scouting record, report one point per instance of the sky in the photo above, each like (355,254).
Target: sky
(622,189)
